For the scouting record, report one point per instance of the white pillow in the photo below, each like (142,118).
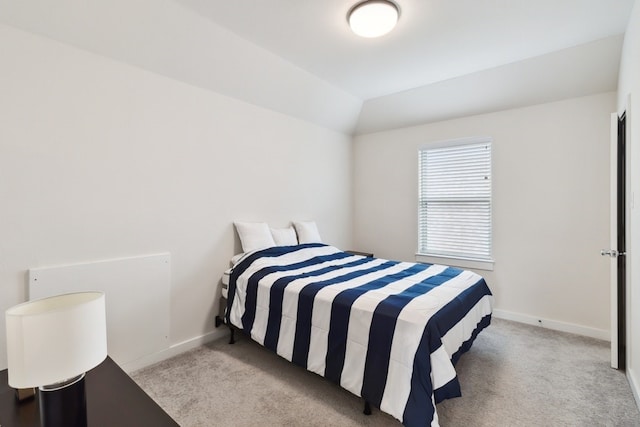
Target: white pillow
(254,235)
(284,236)
(307,232)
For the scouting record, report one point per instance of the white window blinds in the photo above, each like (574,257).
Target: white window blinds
(455,200)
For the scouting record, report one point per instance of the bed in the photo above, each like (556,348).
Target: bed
(387,331)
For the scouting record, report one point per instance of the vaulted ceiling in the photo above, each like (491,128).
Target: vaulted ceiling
(435,40)
(444,59)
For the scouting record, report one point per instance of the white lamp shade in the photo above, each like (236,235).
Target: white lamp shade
(53,339)
(373,18)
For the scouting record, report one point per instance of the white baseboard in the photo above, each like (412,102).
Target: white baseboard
(192,343)
(556,325)
(174,350)
(634,383)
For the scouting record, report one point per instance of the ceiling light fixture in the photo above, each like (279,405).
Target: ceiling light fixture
(373,18)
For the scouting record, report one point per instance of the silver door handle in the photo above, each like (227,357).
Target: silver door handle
(612,253)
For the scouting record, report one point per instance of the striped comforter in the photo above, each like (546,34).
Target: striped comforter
(387,331)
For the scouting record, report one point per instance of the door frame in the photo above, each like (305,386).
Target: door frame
(618,231)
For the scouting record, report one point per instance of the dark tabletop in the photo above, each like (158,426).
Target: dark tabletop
(113,399)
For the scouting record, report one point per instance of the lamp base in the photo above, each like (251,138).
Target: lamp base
(64,404)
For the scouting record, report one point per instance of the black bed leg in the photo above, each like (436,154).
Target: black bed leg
(232,339)
(367,408)
(220,321)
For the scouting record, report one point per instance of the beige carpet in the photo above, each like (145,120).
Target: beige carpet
(514,375)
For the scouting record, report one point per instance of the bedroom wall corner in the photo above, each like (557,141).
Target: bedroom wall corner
(550,204)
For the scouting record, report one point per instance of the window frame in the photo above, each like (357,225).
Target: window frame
(454,260)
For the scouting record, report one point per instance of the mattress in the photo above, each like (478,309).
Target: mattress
(225,283)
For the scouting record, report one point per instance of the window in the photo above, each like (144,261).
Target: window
(454,218)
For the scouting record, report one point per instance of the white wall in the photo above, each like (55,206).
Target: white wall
(550,209)
(101,160)
(629,100)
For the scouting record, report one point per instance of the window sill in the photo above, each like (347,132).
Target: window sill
(474,264)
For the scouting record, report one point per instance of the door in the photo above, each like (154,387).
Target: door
(617,253)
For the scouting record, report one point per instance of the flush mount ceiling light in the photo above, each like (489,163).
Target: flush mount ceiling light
(373,18)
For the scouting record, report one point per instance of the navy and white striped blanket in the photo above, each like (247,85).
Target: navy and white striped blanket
(387,331)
